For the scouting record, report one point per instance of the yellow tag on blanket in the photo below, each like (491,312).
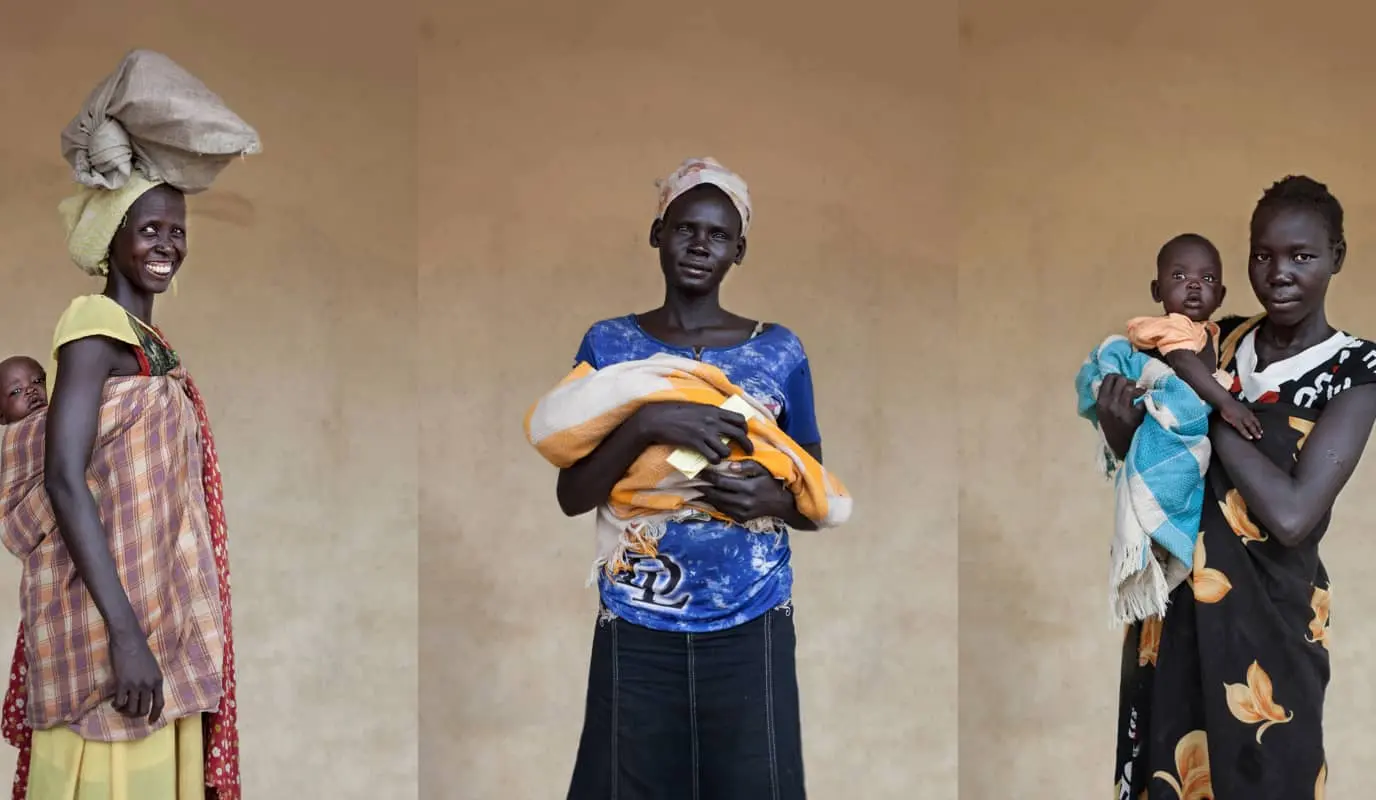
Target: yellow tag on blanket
(691,462)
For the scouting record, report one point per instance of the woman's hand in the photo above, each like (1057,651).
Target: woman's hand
(138,680)
(1119,416)
(745,490)
(696,426)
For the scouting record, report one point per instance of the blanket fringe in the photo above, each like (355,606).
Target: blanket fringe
(766,525)
(1137,587)
(642,538)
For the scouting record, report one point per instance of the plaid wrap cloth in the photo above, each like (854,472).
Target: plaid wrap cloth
(155,478)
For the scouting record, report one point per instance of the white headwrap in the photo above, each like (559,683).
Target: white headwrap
(698,171)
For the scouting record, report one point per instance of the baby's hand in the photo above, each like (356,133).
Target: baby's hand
(1242,419)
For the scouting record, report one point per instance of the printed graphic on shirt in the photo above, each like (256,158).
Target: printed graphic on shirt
(657,581)
(1309,379)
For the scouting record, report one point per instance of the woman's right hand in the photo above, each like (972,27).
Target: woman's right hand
(696,426)
(138,680)
(1119,416)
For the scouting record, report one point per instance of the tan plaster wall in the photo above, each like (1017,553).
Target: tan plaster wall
(543,131)
(1092,132)
(295,313)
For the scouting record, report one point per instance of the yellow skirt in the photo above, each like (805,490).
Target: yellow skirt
(166,765)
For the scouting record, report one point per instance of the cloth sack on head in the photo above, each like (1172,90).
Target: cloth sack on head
(698,171)
(93,216)
(154,117)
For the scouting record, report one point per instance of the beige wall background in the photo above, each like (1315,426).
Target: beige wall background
(1092,132)
(295,313)
(544,128)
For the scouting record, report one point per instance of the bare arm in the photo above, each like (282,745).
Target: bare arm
(73,419)
(1190,368)
(587,484)
(1290,505)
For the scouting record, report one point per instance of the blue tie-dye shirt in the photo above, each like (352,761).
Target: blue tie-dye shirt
(712,575)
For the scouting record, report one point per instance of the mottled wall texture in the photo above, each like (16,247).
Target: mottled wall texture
(296,313)
(1091,133)
(543,129)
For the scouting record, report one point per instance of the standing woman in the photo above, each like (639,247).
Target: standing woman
(123,684)
(692,689)
(1223,698)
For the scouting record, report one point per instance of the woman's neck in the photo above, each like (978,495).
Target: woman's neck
(691,313)
(1277,341)
(140,304)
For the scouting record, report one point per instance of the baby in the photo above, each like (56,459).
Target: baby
(25,385)
(1189,286)
(1158,489)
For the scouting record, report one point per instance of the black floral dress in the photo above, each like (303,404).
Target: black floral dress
(1223,698)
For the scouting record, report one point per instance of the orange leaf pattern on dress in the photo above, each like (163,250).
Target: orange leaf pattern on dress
(1210,585)
(1252,702)
(1235,511)
(1264,633)
(1192,765)
(1149,641)
(1318,627)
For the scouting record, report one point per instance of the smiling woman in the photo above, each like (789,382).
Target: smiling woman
(123,682)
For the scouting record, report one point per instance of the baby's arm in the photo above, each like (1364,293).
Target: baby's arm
(1191,369)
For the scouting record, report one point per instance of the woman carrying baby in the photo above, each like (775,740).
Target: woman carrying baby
(1223,696)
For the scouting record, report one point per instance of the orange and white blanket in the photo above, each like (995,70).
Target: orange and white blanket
(570,422)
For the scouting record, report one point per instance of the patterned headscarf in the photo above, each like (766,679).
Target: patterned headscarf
(698,171)
(93,216)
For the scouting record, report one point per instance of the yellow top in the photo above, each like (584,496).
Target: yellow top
(92,315)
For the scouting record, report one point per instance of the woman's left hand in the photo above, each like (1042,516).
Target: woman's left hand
(745,490)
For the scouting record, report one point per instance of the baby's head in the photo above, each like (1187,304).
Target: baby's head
(25,387)
(1189,277)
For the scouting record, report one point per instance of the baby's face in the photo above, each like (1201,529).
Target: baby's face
(25,388)
(1190,281)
